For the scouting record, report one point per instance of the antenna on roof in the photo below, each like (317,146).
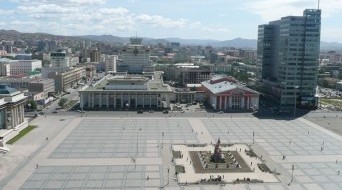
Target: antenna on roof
(318,4)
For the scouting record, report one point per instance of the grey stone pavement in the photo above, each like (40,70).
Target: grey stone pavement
(95,152)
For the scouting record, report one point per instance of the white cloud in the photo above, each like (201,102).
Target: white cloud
(159,21)
(67,3)
(275,9)
(6,12)
(47,9)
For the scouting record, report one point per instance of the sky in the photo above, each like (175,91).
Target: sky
(189,19)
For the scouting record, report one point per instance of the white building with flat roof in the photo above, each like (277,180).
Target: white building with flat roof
(128,91)
(20,66)
(110,62)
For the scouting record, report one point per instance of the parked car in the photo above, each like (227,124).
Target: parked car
(140,111)
(166,111)
(220,112)
(151,111)
(54,112)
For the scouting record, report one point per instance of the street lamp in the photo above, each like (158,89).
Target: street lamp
(253,136)
(292,168)
(295,100)
(135,163)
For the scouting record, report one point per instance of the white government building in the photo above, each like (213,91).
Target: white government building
(127,91)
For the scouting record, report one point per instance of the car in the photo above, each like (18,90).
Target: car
(183,111)
(150,111)
(54,112)
(165,111)
(68,92)
(220,112)
(140,111)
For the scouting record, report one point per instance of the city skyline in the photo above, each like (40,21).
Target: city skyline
(189,20)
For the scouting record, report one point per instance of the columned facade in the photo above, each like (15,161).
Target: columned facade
(112,100)
(225,95)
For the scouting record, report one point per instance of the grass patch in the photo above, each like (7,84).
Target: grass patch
(21,134)
(69,104)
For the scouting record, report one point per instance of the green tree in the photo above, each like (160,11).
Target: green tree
(31,105)
(62,102)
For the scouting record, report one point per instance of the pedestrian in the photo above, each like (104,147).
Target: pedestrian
(321,148)
(251,163)
(47,138)
(338,172)
(37,166)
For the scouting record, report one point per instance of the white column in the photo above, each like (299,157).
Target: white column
(225,102)
(92,100)
(221,99)
(22,112)
(100,100)
(114,100)
(81,101)
(248,106)
(121,100)
(12,118)
(136,100)
(230,102)
(89,100)
(143,100)
(242,102)
(157,100)
(107,100)
(129,100)
(150,100)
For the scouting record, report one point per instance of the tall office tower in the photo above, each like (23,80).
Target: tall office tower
(135,58)
(60,58)
(288,55)
(95,55)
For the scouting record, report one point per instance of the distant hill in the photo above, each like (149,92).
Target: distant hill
(237,42)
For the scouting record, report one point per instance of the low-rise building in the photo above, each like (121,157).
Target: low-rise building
(127,91)
(44,86)
(21,66)
(68,78)
(223,94)
(194,75)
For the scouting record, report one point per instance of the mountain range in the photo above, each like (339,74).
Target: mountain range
(237,42)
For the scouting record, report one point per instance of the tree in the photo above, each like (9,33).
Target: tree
(31,105)
(62,102)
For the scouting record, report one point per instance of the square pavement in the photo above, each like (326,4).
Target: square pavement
(102,138)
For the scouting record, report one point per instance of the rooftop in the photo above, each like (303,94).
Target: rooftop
(154,84)
(219,84)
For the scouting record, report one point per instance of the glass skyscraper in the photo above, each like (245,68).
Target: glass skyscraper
(288,55)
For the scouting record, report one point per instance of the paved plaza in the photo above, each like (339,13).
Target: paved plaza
(135,153)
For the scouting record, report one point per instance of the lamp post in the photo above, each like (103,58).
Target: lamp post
(135,163)
(168,175)
(293,167)
(295,100)
(253,136)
